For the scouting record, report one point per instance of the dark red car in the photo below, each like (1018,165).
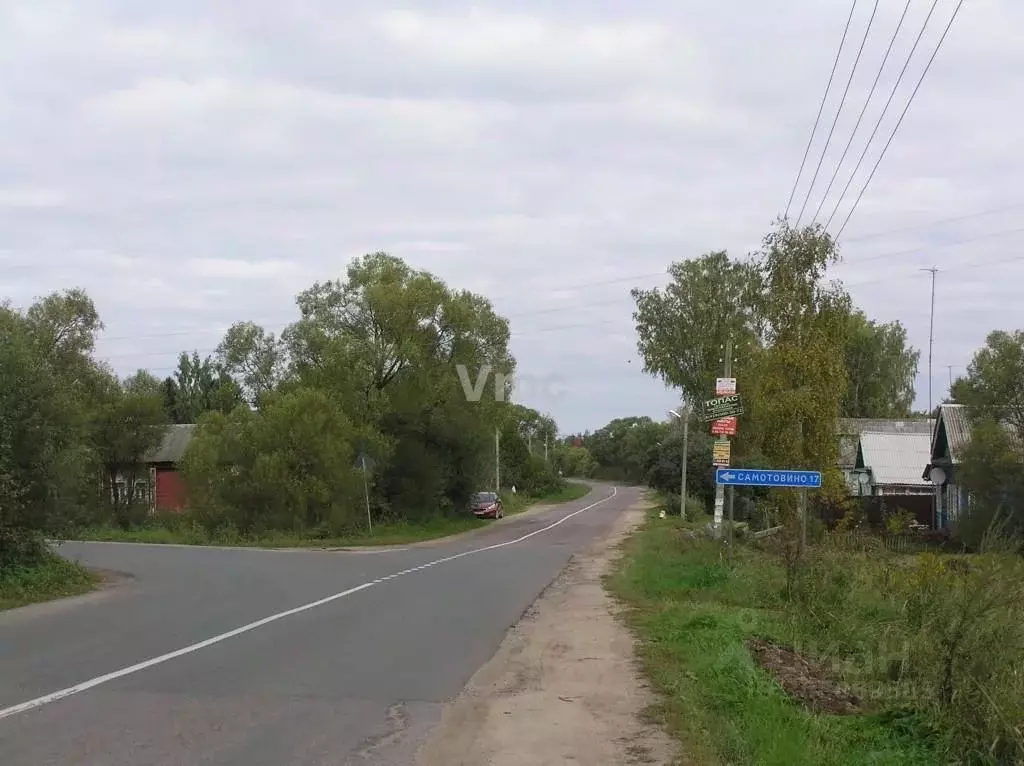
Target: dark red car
(487,505)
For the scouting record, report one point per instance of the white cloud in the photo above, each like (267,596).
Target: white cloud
(237,269)
(33,198)
(197,163)
(527,43)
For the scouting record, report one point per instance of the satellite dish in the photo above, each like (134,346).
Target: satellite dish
(864,479)
(937,476)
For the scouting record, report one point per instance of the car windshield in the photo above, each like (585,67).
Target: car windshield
(484,497)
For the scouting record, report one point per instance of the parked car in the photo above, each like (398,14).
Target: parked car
(487,505)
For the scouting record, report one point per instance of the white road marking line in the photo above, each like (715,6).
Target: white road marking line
(46,699)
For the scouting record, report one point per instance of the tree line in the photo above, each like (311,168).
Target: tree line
(804,356)
(365,375)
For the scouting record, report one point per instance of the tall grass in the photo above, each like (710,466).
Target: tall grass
(933,644)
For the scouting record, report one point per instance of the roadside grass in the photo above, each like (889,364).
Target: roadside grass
(54,577)
(180,529)
(692,613)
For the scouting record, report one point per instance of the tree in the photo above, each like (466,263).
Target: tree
(881,368)
(993,388)
(199,386)
(254,357)
(992,471)
(289,467)
(131,423)
(47,465)
(682,329)
(992,467)
(386,343)
(798,380)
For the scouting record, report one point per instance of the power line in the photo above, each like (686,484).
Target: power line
(885,109)
(606,302)
(821,107)
(929,248)
(555,328)
(839,111)
(938,222)
(900,121)
(863,111)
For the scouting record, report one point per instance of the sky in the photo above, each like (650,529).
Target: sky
(195,163)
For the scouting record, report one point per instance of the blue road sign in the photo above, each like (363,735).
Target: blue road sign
(761,477)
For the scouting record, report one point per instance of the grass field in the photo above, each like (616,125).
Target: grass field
(694,613)
(178,530)
(55,577)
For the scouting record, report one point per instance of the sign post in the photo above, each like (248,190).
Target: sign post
(727,404)
(767,477)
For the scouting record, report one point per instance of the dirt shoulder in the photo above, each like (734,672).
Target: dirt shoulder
(563,687)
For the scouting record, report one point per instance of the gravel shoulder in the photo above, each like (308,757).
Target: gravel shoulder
(564,686)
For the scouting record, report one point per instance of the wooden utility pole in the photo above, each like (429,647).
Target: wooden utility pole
(719,488)
(497,460)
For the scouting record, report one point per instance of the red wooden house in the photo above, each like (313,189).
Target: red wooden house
(167,488)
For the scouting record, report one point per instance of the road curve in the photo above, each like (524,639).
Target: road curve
(273,658)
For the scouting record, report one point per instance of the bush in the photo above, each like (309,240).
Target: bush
(695,508)
(21,549)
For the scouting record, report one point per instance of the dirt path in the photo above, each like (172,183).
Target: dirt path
(562,688)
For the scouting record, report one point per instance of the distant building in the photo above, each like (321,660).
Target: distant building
(848,433)
(167,488)
(951,436)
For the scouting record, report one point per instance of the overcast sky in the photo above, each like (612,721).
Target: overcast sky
(197,162)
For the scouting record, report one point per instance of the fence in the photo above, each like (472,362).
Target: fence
(866,542)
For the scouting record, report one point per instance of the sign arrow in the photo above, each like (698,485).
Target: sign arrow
(728,476)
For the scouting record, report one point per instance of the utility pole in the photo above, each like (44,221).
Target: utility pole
(497,460)
(686,450)
(719,488)
(683,413)
(545,448)
(931,338)
(366,492)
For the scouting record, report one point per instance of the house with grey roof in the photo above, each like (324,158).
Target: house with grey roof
(950,438)
(848,433)
(888,470)
(165,482)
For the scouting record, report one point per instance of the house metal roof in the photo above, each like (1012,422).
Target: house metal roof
(895,458)
(849,430)
(953,419)
(173,446)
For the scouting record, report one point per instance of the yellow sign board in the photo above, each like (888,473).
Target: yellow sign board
(720,453)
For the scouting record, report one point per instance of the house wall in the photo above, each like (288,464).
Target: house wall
(877,506)
(170,492)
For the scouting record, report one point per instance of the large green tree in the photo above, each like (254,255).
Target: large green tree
(992,467)
(993,388)
(388,342)
(289,467)
(254,358)
(682,329)
(199,386)
(49,471)
(881,368)
(799,379)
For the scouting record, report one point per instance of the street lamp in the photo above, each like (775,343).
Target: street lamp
(684,417)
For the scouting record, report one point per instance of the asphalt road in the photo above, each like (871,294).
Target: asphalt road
(273,658)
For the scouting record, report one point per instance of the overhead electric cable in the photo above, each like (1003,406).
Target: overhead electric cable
(863,111)
(821,107)
(900,121)
(885,109)
(839,111)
